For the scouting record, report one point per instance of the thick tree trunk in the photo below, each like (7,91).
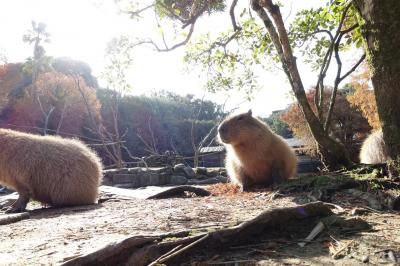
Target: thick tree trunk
(382,34)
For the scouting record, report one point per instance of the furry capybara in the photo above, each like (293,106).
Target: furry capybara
(373,149)
(255,155)
(49,169)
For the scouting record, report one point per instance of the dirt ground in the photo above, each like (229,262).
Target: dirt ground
(52,236)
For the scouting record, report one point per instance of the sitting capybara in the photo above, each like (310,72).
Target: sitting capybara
(49,169)
(255,155)
(373,149)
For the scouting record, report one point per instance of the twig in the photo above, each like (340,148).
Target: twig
(317,229)
(165,255)
(179,251)
(335,255)
(233,262)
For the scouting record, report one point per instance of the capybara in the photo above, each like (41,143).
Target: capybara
(373,149)
(255,155)
(49,169)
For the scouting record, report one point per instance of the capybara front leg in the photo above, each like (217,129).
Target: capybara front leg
(19,205)
(244,186)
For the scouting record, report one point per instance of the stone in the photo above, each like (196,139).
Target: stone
(133,170)
(162,170)
(365,259)
(179,167)
(135,182)
(189,172)
(144,180)
(122,178)
(200,171)
(154,179)
(201,176)
(107,180)
(177,180)
(223,179)
(207,181)
(127,185)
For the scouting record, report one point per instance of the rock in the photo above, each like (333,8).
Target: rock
(144,180)
(122,178)
(177,180)
(201,177)
(200,171)
(213,172)
(223,179)
(189,172)
(134,170)
(179,167)
(395,203)
(135,182)
(107,180)
(127,185)
(162,170)
(358,211)
(157,179)
(365,259)
(207,181)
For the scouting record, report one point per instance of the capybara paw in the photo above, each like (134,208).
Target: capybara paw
(244,188)
(18,206)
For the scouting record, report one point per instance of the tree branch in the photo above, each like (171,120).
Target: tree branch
(137,13)
(232,14)
(255,5)
(166,48)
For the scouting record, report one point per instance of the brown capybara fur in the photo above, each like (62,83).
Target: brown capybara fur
(373,149)
(49,169)
(255,155)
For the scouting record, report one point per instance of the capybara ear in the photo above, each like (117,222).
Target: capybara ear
(249,113)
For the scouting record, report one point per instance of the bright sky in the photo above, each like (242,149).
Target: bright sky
(81,29)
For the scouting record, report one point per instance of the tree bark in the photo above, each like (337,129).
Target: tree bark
(382,41)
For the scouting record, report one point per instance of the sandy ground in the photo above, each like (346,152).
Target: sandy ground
(52,236)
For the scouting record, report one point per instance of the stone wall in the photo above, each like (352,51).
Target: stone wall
(157,176)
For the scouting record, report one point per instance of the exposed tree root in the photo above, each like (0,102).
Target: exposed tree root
(178,191)
(144,250)
(12,218)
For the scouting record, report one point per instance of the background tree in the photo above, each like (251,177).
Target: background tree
(348,125)
(119,59)
(279,126)
(363,97)
(230,60)
(56,91)
(39,62)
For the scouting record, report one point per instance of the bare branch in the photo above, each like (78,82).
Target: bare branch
(137,13)
(349,29)
(61,118)
(166,48)
(335,40)
(354,67)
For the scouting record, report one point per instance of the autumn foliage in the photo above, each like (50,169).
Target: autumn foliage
(363,98)
(347,124)
(58,96)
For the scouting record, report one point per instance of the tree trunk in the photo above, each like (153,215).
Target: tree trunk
(333,154)
(381,33)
